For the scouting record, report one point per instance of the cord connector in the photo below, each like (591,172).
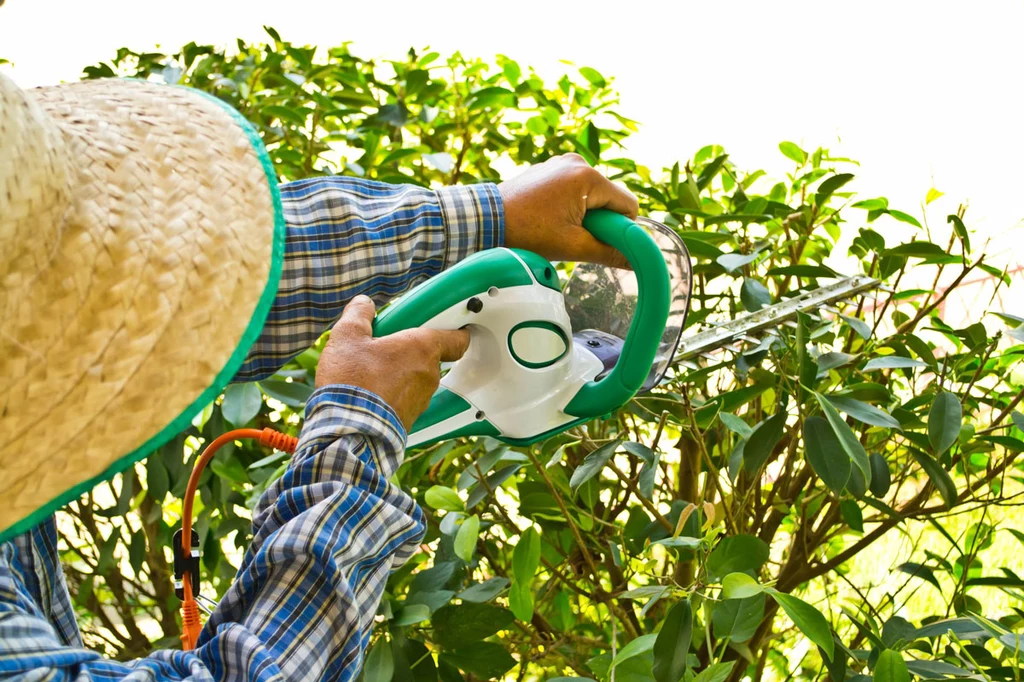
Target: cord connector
(185,562)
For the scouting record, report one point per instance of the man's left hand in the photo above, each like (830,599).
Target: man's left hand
(544,209)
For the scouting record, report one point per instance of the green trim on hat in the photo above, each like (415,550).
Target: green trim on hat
(227,372)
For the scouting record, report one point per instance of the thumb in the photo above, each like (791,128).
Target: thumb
(451,344)
(357,317)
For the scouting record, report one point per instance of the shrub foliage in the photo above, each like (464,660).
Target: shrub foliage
(706,531)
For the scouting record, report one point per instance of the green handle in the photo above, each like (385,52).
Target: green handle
(645,331)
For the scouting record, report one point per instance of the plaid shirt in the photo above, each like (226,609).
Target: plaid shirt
(327,534)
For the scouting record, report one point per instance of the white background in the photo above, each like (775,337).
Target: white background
(922,93)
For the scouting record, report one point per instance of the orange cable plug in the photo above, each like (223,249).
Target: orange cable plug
(191,624)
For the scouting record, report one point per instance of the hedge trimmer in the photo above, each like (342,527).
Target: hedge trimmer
(542,357)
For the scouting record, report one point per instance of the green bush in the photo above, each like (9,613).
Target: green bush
(710,530)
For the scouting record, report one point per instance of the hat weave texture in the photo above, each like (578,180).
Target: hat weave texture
(140,246)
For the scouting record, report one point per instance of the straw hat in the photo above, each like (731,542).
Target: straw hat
(141,239)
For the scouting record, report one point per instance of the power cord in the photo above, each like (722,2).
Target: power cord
(186,564)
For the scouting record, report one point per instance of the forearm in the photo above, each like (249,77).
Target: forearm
(348,236)
(326,536)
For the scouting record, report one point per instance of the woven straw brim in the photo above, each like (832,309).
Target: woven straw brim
(161,273)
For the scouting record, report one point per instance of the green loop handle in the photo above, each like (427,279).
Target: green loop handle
(648,325)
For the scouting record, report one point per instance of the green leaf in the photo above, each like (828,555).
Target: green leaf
(892,362)
(593,76)
(229,468)
(487,660)
(241,403)
(847,439)
(736,425)
(1018,419)
(904,217)
(935,670)
(458,624)
(494,96)
(672,645)
(792,151)
(919,571)
(157,480)
(648,477)
(738,619)
(932,195)
(754,295)
(736,553)
(959,228)
(137,551)
(808,619)
(939,477)
(636,647)
(739,586)
(825,454)
(716,672)
(465,539)
(803,270)
(526,557)
(859,326)
(879,204)
(291,393)
(380,663)
(639,450)
(710,171)
(445,499)
(520,600)
(734,261)
(512,72)
(944,421)
(852,515)
(828,187)
(592,464)
(865,413)
(681,541)
(485,591)
(832,360)
(763,440)
(890,668)
(433,600)
(916,249)
(921,349)
(880,479)
(411,614)
(296,115)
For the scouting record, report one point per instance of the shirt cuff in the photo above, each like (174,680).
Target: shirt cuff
(337,410)
(474,220)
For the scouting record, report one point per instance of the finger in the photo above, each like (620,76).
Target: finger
(451,344)
(590,249)
(357,317)
(606,194)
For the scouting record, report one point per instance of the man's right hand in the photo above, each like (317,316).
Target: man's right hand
(404,369)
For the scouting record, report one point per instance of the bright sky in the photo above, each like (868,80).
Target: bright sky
(922,93)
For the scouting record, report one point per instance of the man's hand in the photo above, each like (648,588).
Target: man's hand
(404,369)
(544,210)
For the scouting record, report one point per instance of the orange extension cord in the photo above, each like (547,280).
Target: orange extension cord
(191,625)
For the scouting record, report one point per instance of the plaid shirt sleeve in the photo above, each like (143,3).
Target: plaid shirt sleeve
(326,536)
(348,236)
